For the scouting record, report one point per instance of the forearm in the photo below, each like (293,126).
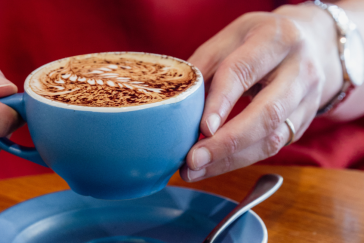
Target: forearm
(320,28)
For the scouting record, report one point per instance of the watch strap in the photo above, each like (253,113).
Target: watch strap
(343,26)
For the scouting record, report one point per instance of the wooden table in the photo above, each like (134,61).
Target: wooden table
(313,205)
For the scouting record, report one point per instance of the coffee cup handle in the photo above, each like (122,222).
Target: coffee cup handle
(16,102)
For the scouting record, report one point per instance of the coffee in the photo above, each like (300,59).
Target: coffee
(113,79)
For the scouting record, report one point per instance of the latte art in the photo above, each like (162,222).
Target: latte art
(111,80)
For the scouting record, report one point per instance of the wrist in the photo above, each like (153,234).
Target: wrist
(319,33)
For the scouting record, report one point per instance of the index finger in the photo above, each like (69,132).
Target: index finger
(257,121)
(263,50)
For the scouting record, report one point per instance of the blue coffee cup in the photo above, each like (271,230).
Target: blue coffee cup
(110,153)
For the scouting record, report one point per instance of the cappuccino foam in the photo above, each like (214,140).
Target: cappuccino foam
(113,79)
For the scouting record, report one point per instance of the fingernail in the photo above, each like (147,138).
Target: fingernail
(213,122)
(194,174)
(201,157)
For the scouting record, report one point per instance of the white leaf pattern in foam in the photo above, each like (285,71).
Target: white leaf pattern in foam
(96,71)
(66,76)
(59,87)
(110,83)
(109,74)
(150,89)
(126,67)
(82,79)
(122,79)
(60,81)
(58,93)
(105,69)
(112,66)
(51,73)
(129,87)
(91,81)
(73,78)
(132,84)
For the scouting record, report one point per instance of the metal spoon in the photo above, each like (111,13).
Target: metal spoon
(263,188)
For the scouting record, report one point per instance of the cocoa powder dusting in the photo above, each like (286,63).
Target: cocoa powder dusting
(99,82)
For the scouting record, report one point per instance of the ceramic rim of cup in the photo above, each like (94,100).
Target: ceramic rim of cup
(175,99)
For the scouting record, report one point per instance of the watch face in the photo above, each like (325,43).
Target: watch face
(354,57)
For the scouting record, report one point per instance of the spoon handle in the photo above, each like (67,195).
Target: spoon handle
(264,188)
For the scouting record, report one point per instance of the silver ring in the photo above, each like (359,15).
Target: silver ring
(292,131)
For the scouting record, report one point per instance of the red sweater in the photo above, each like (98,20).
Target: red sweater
(35,32)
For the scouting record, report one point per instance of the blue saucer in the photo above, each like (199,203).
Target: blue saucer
(173,215)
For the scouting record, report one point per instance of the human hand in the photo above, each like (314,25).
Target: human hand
(286,61)
(9,118)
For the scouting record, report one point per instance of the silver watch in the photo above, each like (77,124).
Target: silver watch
(351,53)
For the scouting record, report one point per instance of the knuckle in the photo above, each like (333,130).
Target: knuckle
(244,72)
(273,115)
(231,144)
(253,16)
(228,162)
(289,32)
(314,73)
(283,30)
(274,142)
(276,27)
